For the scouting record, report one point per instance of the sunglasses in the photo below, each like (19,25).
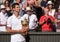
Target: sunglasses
(3,8)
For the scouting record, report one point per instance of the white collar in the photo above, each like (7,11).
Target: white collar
(16,17)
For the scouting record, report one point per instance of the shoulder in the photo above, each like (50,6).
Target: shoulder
(25,15)
(51,17)
(9,18)
(33,15)
(0,13)
(43,16)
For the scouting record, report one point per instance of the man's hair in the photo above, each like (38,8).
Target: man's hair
(14,4)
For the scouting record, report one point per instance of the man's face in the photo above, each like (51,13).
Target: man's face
(29,12)
(17,8)
(46,10)
(3,10)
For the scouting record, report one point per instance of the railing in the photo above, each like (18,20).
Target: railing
(34,37)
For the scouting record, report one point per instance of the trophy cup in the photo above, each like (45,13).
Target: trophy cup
(25,24)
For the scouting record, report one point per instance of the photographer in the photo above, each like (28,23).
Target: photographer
(46,22)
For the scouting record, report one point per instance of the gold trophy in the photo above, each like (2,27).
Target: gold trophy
(25,23)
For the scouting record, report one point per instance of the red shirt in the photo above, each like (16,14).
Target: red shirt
(45,26)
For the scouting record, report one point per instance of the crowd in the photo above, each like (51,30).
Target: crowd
(20,17)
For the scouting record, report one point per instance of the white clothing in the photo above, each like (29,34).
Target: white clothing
(32,20)
(52,13)
(3,20)
(15,24)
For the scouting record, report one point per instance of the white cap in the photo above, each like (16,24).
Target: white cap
(2,6)
(28,9)
(49,2)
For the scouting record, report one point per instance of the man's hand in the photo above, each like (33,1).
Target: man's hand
(24,30)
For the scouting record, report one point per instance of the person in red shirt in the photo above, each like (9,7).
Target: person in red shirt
(45,21)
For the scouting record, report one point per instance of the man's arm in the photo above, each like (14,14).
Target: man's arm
(2,24)
(11,31)
(22,31)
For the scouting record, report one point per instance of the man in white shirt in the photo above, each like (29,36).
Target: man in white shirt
(31,18)
(14,25)
(3,19)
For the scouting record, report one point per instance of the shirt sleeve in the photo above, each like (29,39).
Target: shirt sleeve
(41,19)
(9,24)
(35,18)
(24,16)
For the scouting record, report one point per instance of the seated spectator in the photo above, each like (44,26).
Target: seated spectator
(51,8)
(57,17)
(46,21)
(8,8)
(3,19)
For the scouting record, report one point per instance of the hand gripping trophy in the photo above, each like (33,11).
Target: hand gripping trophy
(25,24)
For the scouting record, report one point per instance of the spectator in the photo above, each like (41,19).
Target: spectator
(3,19)
(45,21)
(51,9)
(7,3)
(14,25)
(31,18)
(57,17)
(8,8)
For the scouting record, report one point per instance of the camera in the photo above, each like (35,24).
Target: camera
(49,21)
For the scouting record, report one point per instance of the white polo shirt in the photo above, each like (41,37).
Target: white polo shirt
(15,24)
(3,20)
(32,20)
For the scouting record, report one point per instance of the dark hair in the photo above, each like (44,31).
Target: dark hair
(14,4)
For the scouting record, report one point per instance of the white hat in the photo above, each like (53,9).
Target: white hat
(2,6)
(28,9)
(49,2)
(59,7)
